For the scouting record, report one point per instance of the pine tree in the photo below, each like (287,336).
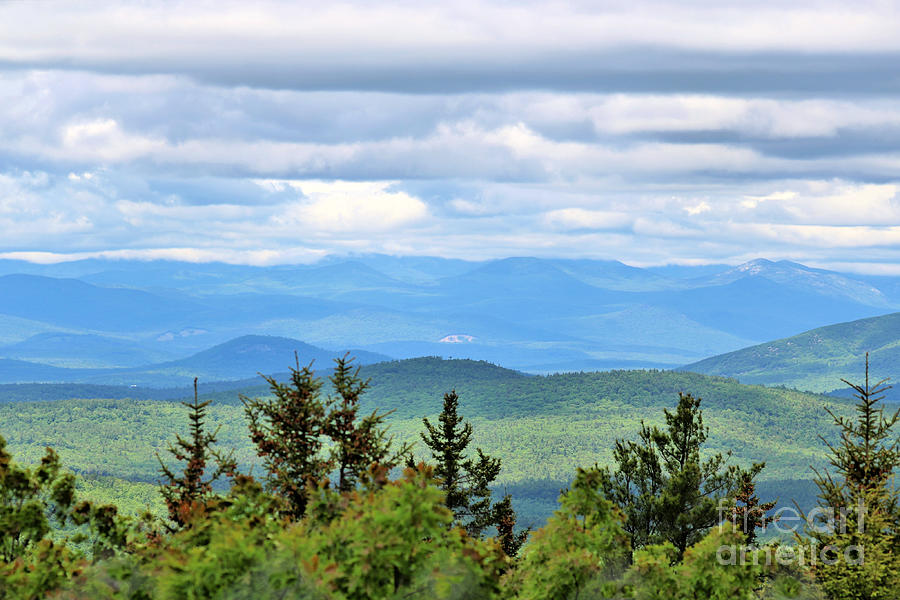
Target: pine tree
(635,485)
(858,522)
(448,444)
(667,492)
(288,431)
(466,481)
(186,493)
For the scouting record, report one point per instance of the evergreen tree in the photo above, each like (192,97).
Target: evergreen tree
(293,429)
(288,431)
(667,492)
(357,443)
(635,485)
(186,493)
(858,523)
(466,481)
(749,514)
(504,519)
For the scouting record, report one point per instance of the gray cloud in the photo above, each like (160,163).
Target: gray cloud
(277,132)
(453,47)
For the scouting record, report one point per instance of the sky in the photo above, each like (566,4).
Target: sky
(683,132)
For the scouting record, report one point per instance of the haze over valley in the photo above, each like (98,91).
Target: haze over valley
(155,323)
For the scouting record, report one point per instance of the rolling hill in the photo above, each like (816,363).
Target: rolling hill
(816,360)
(542,427)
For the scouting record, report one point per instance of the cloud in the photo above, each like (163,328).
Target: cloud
(834,202)
(579,218)
(460,45)
(345,206)
(698,209)
(276,132)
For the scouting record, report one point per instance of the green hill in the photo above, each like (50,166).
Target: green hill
(543,427)
(815,360)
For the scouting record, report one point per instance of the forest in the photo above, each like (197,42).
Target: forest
(543,427)
(337,502)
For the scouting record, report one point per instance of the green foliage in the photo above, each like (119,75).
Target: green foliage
(858,524)
(582,542)
(466,481)
(668,492)
(29,498)
(35,557)
(184,494)
(292,430)
(657,574)
(396,541)
(387,541)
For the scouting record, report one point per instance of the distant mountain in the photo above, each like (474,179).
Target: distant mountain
(251,354)
(818,359)
(240,358)
(802,278)
(83,351)
(14,371)
(522,290)
(534,314)
(756,307)
(76,304)
(416,270)
(329,281)
(614,275)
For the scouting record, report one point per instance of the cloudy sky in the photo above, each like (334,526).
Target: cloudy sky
(653,133)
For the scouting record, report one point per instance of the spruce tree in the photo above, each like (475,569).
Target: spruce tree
(858,523)
(305,440)
(504,519)
(186,493)
(357,443)
(288,431)
(749,513)
(466,481)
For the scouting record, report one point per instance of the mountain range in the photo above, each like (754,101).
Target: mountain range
(818,359)
(132,320)
(238,359)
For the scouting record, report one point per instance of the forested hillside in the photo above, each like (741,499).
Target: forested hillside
(815,360)
(542,427)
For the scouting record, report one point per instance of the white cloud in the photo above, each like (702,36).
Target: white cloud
(698,209)
(759,117)
(345,206)
(104,140)
(832,202)
(580,218)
